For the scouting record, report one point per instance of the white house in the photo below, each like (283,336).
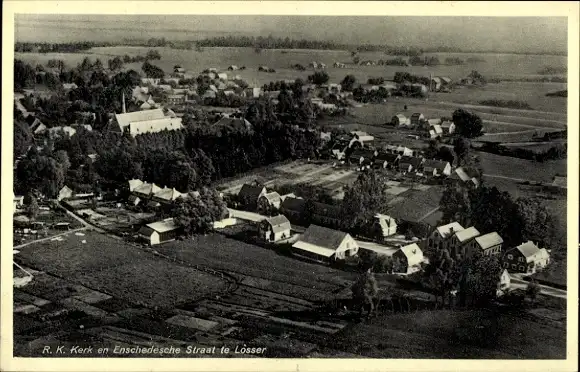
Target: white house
(386,225)
(461,238)
(440,237)
(275,229)
(159,232)
(488,244)
(323,244)
(409,257)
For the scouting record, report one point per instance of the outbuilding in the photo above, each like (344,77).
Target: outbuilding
(159,232)
(275,229)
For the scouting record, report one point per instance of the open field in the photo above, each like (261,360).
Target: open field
(506,166)
(115,267)
(471,334)
(496,66)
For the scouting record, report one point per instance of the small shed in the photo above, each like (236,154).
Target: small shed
(159,232)
(398,120)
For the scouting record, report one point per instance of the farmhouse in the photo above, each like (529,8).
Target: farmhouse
(417,119)
(167,196)
(464,176)
(64,193)
(292,207)
(323,244)
(159,232)
(269,201)
(440,237)
(360,156)
(145,190)
(526,258)
(436,84)
(560,182)
(275,229)
(18,202)
(148,121)
(436,168)
(249,195)
(384,226)
(408,164)
(386,160)
(360,137)
(459,240)
(409,258)
(150,81)
(488,244)
(399,120)
(448,127)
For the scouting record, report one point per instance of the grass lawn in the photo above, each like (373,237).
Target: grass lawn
(472,334)
(114,267)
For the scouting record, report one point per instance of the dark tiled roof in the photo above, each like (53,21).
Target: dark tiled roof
(250,191)
(323,237)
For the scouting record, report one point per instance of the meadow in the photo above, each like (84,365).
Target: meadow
(495,65)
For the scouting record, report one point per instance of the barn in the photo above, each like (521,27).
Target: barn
(159,232)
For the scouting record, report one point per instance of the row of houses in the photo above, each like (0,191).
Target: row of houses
(323,244)
(432,128)
(152,195)
(467,242)
(366,158)
(257,198)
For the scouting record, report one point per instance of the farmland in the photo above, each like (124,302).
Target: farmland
(456,335)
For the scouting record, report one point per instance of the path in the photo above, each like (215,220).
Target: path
(48,237)
(82,221)
(544,289)
(507,178)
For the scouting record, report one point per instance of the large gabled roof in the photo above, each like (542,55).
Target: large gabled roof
(323,237)
(127,118)
(449,229)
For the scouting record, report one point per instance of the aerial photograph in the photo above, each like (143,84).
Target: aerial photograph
(260,186)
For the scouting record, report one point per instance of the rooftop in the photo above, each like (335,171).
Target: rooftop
(163,226)
(467,234)
(323,237)
(489,240)
(449,229)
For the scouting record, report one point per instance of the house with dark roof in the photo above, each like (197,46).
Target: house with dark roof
(360,156)
(385,160)
(408,164)
(274,229)
(323,244)
(436,168)
(417,119)
(465,177)
(488,244)
(249,195)
(526,258)
(292,207)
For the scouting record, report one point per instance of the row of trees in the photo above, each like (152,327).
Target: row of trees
(72,47)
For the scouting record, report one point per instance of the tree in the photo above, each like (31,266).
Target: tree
(24,75)
(467,124)
(152,71)
(483,278)
(461,148)
(455,204)
(319,78)
(445,154)
(32,208)
(98,65)
(115,64)
(364,290)
(538,223)
(368,259)
(363,200)
(196,214)
(533,290)
(348,83)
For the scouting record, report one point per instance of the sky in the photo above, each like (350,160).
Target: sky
(517,34)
